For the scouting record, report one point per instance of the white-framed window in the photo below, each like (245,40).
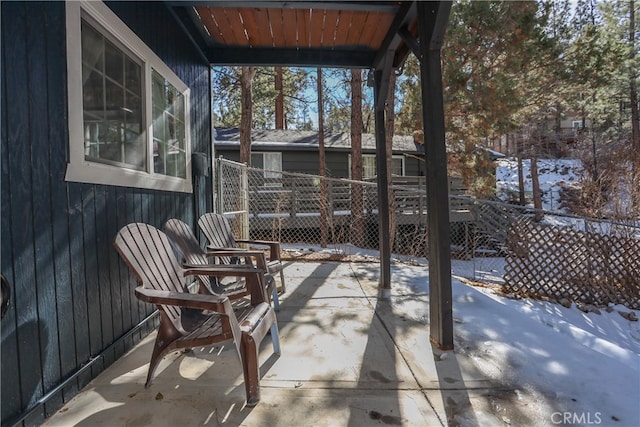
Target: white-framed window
(576,124)
(128,111)
(369,168)
(271,162)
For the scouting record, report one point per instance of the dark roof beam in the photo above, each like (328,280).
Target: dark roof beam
(355,6)
(382,77)
(411,41)
(193,32)
(437,21)
(405,15)
(290,56)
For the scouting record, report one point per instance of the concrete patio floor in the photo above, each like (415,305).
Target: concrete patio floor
(347,360)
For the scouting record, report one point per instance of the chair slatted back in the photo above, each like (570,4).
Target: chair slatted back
(187,243)
(148,253)
(217,230)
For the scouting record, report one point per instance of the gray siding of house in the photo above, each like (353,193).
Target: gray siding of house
(72,296)
(307,161)
(414,165)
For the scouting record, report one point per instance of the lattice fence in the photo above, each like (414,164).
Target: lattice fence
(578,266)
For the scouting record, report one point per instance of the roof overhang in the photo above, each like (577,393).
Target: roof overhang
(349,34)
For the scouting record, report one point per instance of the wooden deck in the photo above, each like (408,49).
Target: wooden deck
(297,204)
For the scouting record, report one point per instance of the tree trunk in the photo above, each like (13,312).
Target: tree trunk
(280,123)
(390,116)
(635,114)
(246,79)
(324,199)
(357,193)
(521,195)
(535,182)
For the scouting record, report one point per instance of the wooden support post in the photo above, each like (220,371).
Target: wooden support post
(381,85)
(432,19)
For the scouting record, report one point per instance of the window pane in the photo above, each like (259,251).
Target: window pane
(114,62)
(114,99)
(92,47)
(135,152)
(112,113)
(169,156)
(396,167)
(368,166)
(132,72)
(273,161)
(133,114)
(257,160)
(93,92)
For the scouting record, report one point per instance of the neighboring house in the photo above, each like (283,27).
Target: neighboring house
(297,151)
(553,137)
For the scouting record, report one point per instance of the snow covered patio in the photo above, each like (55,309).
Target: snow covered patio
(350,359)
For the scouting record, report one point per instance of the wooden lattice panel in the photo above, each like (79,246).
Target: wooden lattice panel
(563,263)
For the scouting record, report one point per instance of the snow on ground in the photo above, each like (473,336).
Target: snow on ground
(553,175)
(586,363)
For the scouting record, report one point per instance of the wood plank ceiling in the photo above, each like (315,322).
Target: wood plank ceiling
(300,28)
(342,34)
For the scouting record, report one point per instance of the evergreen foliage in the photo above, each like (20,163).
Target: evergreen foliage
(297,105)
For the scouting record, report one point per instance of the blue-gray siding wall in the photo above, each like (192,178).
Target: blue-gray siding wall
(72,296)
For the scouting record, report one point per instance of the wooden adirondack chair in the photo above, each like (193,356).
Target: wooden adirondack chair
(193,255)
(190,320)
(218,232)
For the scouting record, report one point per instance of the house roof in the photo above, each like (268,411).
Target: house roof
(319,33)
(305,140)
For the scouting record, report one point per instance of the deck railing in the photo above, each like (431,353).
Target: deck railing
(295,207)
(487,236)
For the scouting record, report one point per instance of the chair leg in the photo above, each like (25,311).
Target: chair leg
(276,300)
(271,287)
(275,338)
(282,286)
(166,335)
(159,348)
(250,369)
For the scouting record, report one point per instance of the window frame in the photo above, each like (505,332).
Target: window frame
(85,171)
(367,155)
(270,173)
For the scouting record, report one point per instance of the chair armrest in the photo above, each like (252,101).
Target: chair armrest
(254,277)
(215,303)
(221,270)
(274,247)
(261,260)
(213,251)
(258,242)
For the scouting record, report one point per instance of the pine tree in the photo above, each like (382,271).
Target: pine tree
(357,193)
(246,80)
(324,214)
(296,106)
